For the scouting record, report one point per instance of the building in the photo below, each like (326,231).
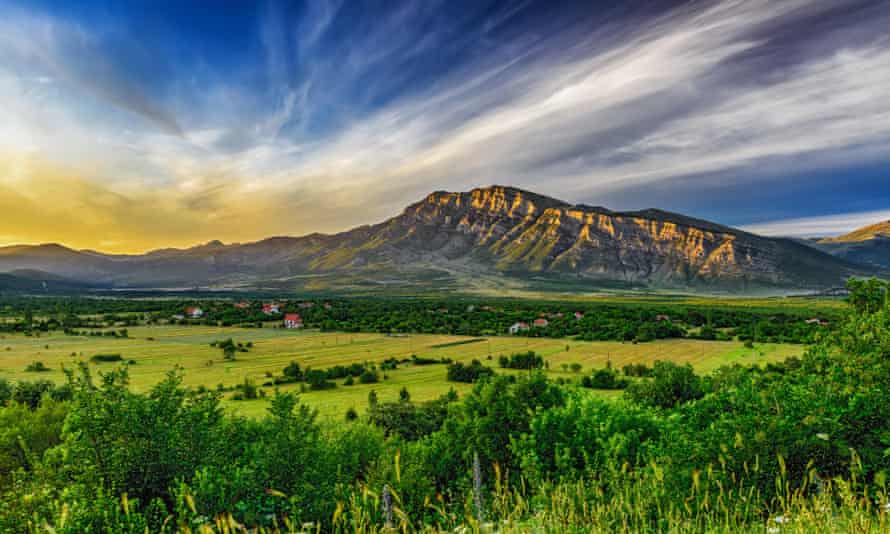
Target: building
(541,323)
(242,305)
(194,312)
(662,317)
(816,320)
(271,308)
(293,320)
(306,305)
(579,316)
(518,327)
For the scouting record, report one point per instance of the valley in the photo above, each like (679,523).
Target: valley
(157,350)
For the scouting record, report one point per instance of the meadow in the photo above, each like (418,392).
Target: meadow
(156,350)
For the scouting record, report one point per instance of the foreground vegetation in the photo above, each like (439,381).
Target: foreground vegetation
(793,447)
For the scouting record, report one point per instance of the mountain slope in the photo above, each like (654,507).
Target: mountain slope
(868,246)
(495,233)
(30,281)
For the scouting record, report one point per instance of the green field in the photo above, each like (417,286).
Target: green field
(158,349)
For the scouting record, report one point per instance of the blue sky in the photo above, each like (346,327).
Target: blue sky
(133,125)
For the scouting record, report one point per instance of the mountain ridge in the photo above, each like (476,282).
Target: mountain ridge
(496,231)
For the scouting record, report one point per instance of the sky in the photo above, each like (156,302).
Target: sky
(127,126)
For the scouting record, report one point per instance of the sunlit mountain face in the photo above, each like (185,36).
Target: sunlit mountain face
(128,126)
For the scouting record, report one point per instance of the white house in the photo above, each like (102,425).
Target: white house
(518,327)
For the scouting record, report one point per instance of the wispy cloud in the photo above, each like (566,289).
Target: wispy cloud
(820,226)
(353,116)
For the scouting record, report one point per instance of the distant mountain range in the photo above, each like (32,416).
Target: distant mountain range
(494,237)
(869,245)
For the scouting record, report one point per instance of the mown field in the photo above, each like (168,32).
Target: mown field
(158,349)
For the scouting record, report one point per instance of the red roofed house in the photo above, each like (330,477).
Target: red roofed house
(194,312)
(242,305)
(579,316)
(271,308)
(662,317)
(541,322)
(293,320)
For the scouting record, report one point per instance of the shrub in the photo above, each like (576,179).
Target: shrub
(670,386)
(524,360)
(318,380)
(458,372)
(604,379)
(106,358)
(369,377)
(36,367)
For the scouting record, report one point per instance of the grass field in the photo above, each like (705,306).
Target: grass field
(158,349)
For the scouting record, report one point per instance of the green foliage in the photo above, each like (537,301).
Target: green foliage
(36,367)
(459,372)
(524,360)
(605,378)
(868,295)
(670,386)
(106,358)
(807,438)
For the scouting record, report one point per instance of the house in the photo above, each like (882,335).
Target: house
(518,327)
(579,316)
(194,312)
(816,320)
(242,305)
(178,317)
(661,317)
(327,305)
(306,305)
(540,323)
(271,308)
(293,320)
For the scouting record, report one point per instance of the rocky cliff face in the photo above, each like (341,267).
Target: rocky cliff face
(519,232)
(488,231)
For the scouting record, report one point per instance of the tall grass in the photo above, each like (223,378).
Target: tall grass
(639,503)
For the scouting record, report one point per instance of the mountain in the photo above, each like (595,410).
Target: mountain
(31,281)
(868,246)
(496,236)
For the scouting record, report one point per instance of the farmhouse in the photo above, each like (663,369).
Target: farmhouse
(293,320)
(662,317)
(242,305)
(271,308)
(194,312)
(541,323)
(579,316)
(518,327)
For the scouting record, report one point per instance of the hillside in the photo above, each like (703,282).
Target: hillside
(869,245)
(499,236)
(31,281)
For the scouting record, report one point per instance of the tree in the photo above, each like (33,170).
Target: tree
(670,386)
(867,296)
